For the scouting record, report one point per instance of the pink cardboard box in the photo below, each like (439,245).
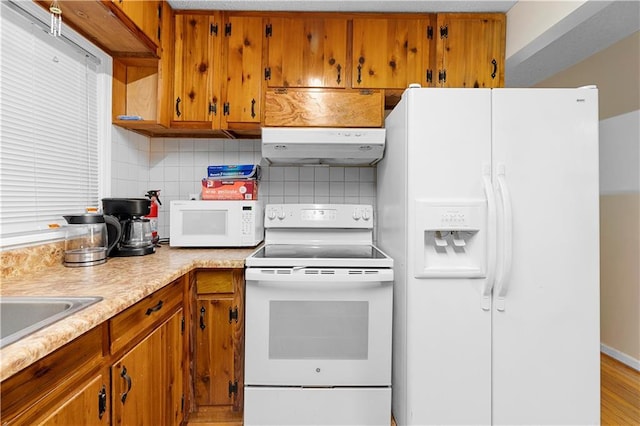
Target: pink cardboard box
(229,189)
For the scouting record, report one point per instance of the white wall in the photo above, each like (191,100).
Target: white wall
(615,71)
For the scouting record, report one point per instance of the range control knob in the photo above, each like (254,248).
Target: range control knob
(281,214)
(271,214)
(366,215)
(356,215)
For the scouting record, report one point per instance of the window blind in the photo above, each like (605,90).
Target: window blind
(49,149)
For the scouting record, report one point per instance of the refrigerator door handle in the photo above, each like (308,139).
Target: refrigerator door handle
(507,234)
(491,238)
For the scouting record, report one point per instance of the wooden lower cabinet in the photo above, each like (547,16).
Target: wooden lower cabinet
(85,406)
(129,370)
(147,387)
(219,342)
(68,385)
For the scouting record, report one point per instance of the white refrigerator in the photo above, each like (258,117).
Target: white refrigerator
(487,200)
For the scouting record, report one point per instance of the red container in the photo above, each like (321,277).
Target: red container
(229,189)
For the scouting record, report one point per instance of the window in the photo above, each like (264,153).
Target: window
(52,100)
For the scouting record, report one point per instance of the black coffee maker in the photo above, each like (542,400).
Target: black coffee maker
(136,239)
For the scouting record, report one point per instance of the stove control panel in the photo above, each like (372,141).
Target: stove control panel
(319,216)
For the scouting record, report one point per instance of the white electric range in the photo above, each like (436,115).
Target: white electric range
(318,319)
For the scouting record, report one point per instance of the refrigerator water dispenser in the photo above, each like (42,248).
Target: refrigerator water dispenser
(451,240)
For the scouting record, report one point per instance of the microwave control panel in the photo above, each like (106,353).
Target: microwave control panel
(248,220)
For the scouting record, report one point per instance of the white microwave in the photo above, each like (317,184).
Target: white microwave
(216,223)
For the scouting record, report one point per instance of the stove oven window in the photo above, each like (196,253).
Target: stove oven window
(335,330)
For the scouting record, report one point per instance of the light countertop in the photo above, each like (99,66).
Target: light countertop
(121,282)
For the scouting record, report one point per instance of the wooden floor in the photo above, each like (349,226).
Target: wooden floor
(619,389)
(620,393)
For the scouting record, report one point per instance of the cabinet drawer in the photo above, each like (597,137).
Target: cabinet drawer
(324,108)
(143,315)
(214,281)
(51,377)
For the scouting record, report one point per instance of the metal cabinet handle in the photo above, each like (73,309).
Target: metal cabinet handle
(154,309)
(178,113)
(102,402)
(127,378)
(339,68)
(359,74)
(233,315)
(253,108)
(202,312)
(495,68)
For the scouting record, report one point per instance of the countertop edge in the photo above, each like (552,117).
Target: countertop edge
(150,273)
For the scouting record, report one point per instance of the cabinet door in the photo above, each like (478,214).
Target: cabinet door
(147,382)
(214,352)
(470,50)
(196,68)
(46,387)
(219,338)
(85,405)
(324,108)
(306,52)
(392,52)
(244,40)
(145,14)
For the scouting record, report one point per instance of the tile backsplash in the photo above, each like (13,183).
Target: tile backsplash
(176,167)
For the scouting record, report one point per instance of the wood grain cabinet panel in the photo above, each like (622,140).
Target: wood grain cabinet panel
(219,337)
(147,384)
(85,404)
(324,108)
(146,14)
(107,26)
(243,83)
(51,387)
(391,52)
(144,315)
(306,52)
(143,87)
(197,67)
(470,50)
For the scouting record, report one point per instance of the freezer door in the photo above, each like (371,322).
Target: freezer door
(442,373)
(545,318)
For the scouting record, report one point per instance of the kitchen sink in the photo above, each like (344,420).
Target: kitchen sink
(21,316)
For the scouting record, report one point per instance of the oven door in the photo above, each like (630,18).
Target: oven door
(318,327)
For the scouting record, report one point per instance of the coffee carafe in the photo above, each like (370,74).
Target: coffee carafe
(136,238)
(86,238)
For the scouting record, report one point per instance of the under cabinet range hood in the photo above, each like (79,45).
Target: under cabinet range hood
(322,146)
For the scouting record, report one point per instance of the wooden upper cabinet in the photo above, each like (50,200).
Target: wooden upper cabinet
(107,26)
(147,15)
(243,83)
(324,108)
(196,69)
(470,50)
(392,52)
(306,52)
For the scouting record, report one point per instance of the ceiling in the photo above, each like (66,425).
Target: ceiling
(594,26)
